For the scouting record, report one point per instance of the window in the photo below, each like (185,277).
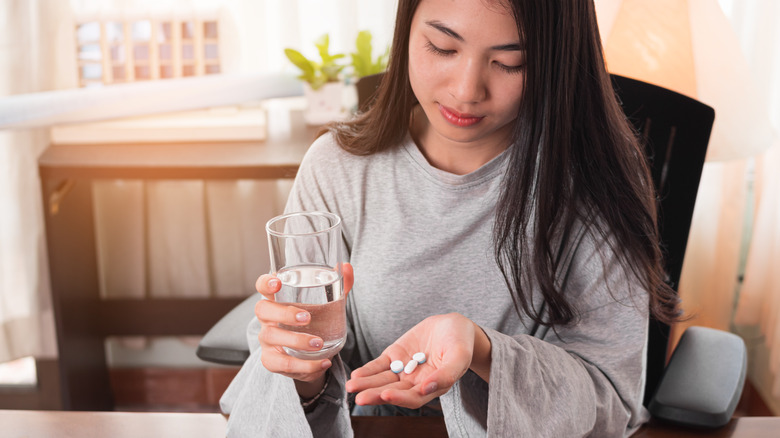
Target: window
(115,51)
(19,372)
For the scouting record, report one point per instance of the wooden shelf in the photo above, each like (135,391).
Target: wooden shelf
(276,157)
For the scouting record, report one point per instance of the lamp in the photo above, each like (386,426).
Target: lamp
(688,46)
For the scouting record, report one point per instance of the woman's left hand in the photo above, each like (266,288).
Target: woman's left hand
(448,343)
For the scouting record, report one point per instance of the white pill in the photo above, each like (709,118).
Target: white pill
(396,366)
(410,366)
(419,357)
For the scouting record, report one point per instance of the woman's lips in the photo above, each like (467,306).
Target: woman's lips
(458,119)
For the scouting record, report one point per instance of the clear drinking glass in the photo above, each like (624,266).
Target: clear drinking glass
(305,249)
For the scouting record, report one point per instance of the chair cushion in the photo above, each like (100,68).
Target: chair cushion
(226,341)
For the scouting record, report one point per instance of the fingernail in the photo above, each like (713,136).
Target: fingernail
(273,283)
(431,388)
(316,343)
(325,364)
(302,316)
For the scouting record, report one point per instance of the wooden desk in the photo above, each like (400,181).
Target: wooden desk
(742,427)
(82,319)
(48,424)
(433,427)
(62,424)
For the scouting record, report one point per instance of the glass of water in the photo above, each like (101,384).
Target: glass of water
(305,249)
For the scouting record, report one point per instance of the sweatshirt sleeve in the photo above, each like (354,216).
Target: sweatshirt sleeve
(584,379)
(264,404)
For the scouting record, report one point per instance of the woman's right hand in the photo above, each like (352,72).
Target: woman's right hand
(272,337)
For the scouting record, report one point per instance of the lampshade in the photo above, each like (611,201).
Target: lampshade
(688,46)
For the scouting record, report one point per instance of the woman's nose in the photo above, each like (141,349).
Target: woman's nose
(467,83)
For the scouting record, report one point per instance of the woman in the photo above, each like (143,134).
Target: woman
(499,216)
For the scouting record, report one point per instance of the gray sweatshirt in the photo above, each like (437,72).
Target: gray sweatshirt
(420,242)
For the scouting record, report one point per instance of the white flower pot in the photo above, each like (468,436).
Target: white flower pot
(325,104)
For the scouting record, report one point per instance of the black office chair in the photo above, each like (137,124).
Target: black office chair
(704,378)
(703,381)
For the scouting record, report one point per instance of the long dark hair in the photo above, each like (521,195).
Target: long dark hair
(590,167)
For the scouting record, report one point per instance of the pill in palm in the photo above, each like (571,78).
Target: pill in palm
(419,357)
(396,366)
(410,366)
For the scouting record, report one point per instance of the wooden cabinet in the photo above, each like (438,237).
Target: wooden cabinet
(83,319)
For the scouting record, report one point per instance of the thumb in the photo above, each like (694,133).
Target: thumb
(437,383)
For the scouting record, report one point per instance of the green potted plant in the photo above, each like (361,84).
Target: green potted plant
(365,69)
(363,63)
(323,82)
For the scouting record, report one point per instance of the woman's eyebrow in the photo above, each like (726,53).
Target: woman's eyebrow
(444,29)
(447,31)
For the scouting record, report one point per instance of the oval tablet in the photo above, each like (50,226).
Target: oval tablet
(410,366)
(396,366)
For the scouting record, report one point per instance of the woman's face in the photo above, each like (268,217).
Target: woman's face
(466,64)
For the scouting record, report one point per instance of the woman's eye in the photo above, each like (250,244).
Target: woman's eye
(433,49)
(512,69)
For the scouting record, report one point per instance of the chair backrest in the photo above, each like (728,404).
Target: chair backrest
(676,130)
(366,90)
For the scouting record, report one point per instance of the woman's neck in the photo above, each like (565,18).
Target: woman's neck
(450,156)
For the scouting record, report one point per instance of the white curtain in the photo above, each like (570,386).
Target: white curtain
(27,55)
(755,22)
(161,238)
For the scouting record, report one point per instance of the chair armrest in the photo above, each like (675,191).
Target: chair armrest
(703,381)
(226,341)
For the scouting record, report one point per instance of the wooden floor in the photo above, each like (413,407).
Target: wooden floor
(170,389)
(751,404)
